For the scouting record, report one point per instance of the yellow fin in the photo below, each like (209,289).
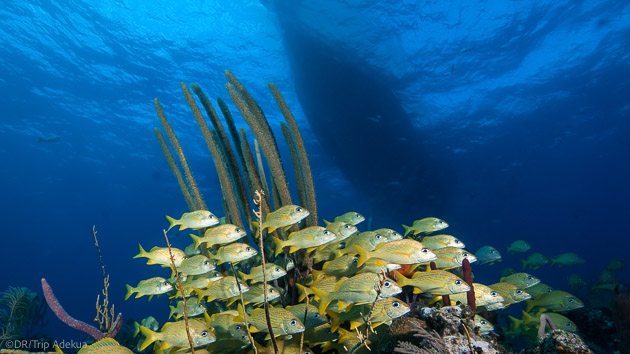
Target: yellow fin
(252,329)
(323,300)
(172,222)
(341,305)
(354,324)
(149,335)
(293,249)
(279,244)
(130,291)
(401,279)
(326,222)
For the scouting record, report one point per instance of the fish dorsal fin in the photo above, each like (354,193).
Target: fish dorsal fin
(153,249)
(105,342)
(339,283)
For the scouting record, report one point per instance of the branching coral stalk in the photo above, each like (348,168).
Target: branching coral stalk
(363,337)
(258,202)
(468,337)
(180,287)
(102,313)
(240,292)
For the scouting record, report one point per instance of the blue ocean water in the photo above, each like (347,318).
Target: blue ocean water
(509,120)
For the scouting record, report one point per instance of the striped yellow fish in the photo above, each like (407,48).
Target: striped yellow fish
(225,326)
(195,220)
(223,289)
(326,285)
(256,295)
(193,308)
(495,306)
(359,289)
(404,251)
(441,241)
(390,235)
(284,217)
(195,265)
(368,240)
(342,230)
(285,346)
(233,253)
(160,255)
(521,280)
(320,334)
(426,225)
(105,346)
(282,321)
(219,235)
(452,257)
(434,282)
(151,286)
(308,238)
(173,334)
(511,293)
(344,266)
(328,252)
(384,311)
(273,272)
(313,318)
(484,296)
(351,217)
(539,289)
(198,282)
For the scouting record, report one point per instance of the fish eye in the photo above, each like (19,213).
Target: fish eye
(298,209)
(271,291)
(238,328)
(326,232)
(243,337)
(355,261)
(519,291)
(204,333)
(328,331)
(530,277)
(357,216)
(206,262)
(456,241)
(465,254)
(316,315)
(483,322)
(387,284)
(293,322)
(458,282)
(378,236)
(425,250)
(237,230)
(396,304)
(165,283)
(494,293)
(549,290)
(277,269)
(571,300)
(248,249)
(569,324)
(347,226)
(491,251)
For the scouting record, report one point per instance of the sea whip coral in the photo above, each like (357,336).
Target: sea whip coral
(74,323)
(470,296)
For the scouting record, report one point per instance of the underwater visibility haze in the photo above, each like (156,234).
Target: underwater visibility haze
(507,120)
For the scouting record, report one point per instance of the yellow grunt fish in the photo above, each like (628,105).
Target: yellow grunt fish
(519,246)
(375,265)
(161,255)
(359,289)
(342,230)
(368,240)
(273,272)
(539,289)
(193,308)
(390,235)
(313,318)
(510,292)
(256,295)
(484,296)
(105,346)
(234,252)
(351,217)
(427,225)
(434,282)
(384,311)
(173,334)
(567,259)
(223,289)
(452,257)
(219,235)
(282,321)
(326,285)
(488,255)
(485,327)
(195,220)
(152,286)
(406,251)
(196,265)
(309,238)
(441,241)
(284,217)
(344,266)
(556,300)
(521,280)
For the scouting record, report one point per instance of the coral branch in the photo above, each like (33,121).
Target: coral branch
(72,322)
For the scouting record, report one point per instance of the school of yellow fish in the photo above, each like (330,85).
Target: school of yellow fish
(355,281)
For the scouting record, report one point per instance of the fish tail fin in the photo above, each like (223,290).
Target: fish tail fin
(527,318)
(363,255)
(196,240)
(317,273)
(241,314)
(401,279)
(278,242)
(324,301)
(172,222)
(130,290)
(303,292)
(149,337)
(242,275)
(406,229)
(142,252)
(530,305)
(516,323)
(172,311)
(326,223)
(524,263)
(335,322)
